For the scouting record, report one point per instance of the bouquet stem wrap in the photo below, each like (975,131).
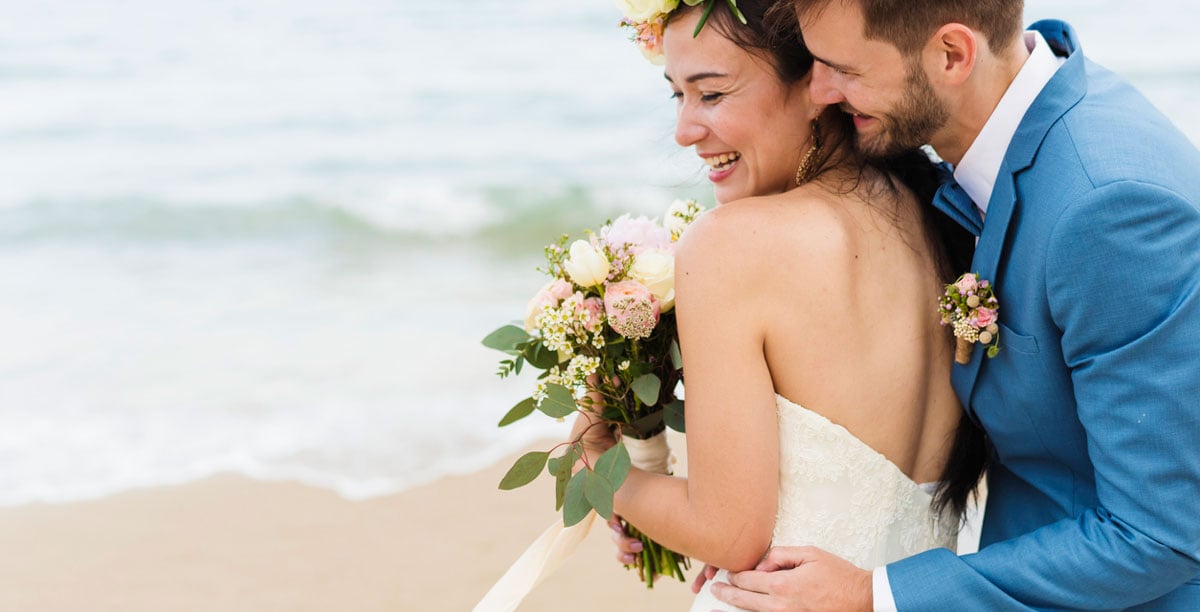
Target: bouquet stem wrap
(653,455)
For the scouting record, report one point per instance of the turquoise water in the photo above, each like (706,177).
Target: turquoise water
(267,236)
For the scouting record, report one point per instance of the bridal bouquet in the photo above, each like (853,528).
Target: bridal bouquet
(602,332)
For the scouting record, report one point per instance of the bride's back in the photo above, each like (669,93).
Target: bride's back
(848,314)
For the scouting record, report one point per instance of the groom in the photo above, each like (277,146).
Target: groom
(1086,201)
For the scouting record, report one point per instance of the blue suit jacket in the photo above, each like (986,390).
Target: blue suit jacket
(1092,239)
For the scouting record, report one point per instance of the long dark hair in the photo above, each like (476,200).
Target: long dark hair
(773,32)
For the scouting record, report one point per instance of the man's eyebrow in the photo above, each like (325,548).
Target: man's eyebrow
(833,65)
(699,76)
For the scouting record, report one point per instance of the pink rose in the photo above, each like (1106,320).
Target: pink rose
(546,297)
(966,284)
(632,310)
(984,316)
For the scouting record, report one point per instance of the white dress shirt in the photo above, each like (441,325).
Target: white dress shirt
(977,173)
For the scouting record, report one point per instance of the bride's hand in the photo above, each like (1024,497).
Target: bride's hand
(704,576)
(627,547)
(593,434)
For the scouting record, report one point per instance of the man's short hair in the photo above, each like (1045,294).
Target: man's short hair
(908,24)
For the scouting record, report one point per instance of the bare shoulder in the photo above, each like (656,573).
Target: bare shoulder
(806,231)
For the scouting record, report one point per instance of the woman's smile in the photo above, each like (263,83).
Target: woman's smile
(720,165)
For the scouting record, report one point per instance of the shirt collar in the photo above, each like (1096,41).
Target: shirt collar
(979,167)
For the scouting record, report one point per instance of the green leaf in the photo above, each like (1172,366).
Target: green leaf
(599,492)
(993,351)
(506,338)
(704,17)
(575,503)
(676,356)
(673,415)
(736,13)
(559,401)
(642,427)
(560,468)
(523,409)
(524,470)
(614,465)
(646,388)
(539,356)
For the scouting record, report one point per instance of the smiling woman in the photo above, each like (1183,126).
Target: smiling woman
(772,291)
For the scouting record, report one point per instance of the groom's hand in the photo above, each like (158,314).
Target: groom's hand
(803,578)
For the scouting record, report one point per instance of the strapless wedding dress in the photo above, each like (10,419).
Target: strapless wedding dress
(838,494)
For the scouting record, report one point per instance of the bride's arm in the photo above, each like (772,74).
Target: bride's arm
(724,512)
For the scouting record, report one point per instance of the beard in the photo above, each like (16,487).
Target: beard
(910,124)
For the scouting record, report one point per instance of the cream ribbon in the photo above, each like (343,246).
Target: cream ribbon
(556,544)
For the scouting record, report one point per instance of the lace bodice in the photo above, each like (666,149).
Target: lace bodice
(839,494)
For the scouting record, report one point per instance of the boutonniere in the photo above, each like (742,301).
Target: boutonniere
(971,308)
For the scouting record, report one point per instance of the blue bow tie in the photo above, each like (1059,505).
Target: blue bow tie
(954,201)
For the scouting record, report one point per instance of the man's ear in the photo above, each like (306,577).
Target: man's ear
(949,56)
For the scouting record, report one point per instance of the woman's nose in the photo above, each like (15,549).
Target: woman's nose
(688,131)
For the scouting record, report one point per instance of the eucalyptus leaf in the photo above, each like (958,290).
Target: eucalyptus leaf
(673,415)
(524,470)
(523,409)
(614,465)
(676,355)
(539,356)
(559,402)
(506,338)
(646,388)
(575,503)
(599,492)
(644,427)
(561,469)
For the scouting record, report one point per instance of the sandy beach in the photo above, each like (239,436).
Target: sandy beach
(230,543)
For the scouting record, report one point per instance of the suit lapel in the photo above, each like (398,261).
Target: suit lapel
(985,264)
(1064,90)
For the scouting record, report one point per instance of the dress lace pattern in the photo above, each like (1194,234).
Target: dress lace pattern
(839,494)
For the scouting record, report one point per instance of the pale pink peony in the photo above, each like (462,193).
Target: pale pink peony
(635,234)
(560,289)
(984,316)
(966,284)
(632,310)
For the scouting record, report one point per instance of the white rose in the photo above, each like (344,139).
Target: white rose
(586,265)
(655,268)
(645,10)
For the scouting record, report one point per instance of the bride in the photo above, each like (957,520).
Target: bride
(819,405)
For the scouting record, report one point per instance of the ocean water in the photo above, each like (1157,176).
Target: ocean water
(266,237)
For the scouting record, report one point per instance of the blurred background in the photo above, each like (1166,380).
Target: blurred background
(266,236)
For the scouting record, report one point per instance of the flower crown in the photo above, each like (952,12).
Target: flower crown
(648,18)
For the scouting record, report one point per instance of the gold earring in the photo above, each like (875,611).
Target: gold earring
(805,171)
